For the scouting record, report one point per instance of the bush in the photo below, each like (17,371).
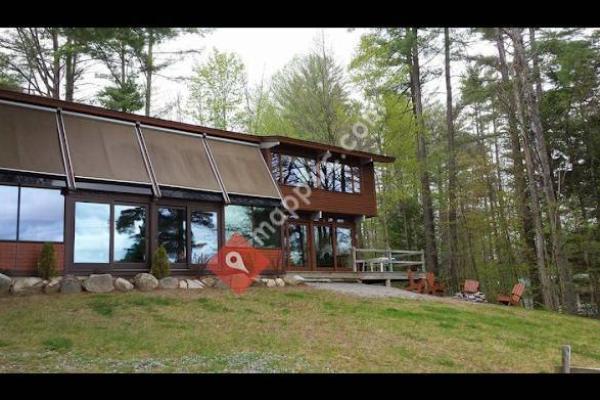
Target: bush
(160,263)
(47,262)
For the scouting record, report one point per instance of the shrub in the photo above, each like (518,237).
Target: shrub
(160,263)
(47,262)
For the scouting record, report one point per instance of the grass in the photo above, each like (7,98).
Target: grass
(281,330)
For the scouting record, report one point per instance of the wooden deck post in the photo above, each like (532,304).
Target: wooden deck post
(566,359)
(354,259)
(423,260)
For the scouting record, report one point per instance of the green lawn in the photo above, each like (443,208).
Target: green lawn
(281,330)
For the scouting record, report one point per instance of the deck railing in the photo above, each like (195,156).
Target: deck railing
(387,260)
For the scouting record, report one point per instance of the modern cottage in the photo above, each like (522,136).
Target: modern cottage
(107,188)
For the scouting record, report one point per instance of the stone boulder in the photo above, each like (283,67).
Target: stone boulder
(5,284)
(279,282)
(194,284)
(258,282)
(294,280)
(270,283)
(53,286)
(29,285)
(100,283)
(123,285)
(145,282)
(70,284)
(168,283)
(183,284)
(209,281)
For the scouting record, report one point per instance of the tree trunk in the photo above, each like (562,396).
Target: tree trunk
(149,70)
(70,67)
(55,65)
(428,218)
(536,65)
(525,217)
(568,296)
(546,286)
(452,228)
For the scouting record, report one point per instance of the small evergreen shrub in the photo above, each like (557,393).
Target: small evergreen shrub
(47,262)
(160,263)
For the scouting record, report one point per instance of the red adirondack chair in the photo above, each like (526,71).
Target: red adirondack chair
(515,296)
(470,286)
(415,285)
(433,286)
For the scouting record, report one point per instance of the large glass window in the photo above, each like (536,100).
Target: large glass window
(343,248)
(9,203)
(205,236)
(41,215)
(249,221)
(323,239)
(92,233)
(171,233)
(129,234)
(347,179)
(298,245)
(327,175)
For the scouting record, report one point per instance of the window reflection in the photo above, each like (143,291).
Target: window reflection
(92,233)
(9,200)
(275,167)
(171,233)
(343,247)
(323,245)
(356,179)
(249,220)
(298,245)
(41,215)
(205,236)
(130,234)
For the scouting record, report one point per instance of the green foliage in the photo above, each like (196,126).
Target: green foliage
(160,263)
(126,97)
(47,264)
(8,79)
(218,89)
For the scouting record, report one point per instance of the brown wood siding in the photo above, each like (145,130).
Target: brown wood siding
(363,203)
(20,258)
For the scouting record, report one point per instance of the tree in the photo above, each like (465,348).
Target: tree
(217,91)
(452,205)
(523,74)
(8,79)
(311,94)
(117,48)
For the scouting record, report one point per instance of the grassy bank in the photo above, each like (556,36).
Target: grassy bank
(281,330)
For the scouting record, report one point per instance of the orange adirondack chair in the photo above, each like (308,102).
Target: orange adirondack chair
(417,286)
(470,286)
(514,297)
(433,286)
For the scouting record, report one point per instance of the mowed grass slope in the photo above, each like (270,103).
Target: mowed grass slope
(281,330)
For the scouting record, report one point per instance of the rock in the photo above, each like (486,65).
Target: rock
(183,284)
(101,283)
(70,284)
(271,283)
(145,282)
(279,282)
(209,281)
(194,284)
(123,285)
(53,286)
(27,285)
(5,283)
(168,283)
(294,280)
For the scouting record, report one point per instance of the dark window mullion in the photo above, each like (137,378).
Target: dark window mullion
(18,233)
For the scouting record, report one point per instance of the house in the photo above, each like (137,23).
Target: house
(107,188)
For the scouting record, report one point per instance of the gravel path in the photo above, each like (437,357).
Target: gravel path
(363,290)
